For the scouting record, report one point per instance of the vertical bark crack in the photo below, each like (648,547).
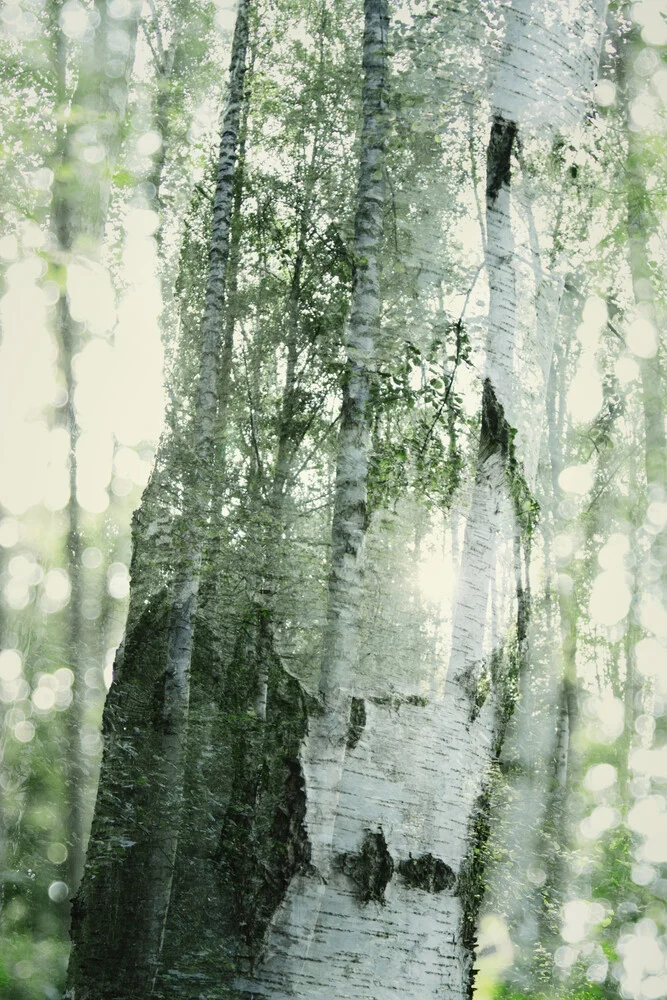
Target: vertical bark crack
(499,157)
(357,722)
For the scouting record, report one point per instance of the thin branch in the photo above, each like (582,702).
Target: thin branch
(457,361)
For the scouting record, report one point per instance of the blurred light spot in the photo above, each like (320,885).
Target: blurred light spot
(92,301)
(118,9)
(58,892)
(41,179)
(564,584)
(605,93)
(56,590)
(43,698)
(585,397)
(652,615)
(93,154)
(647,14)
(23,970)
(537,876)
(494,949)
(642,874)
(121,487)
(26,569)
(609,714)
(142,222)
(595,312)
(610,597)
(64,677)
(599,777)
(118,41)
(652,763)
(93,678)
(565,957)
(9,532)
(91,557)
(612,555)
(602,818)
(580,916)
(32,235)
(91,608)
(16,690)
(148,144)
(56,853)
(95,501)
(654,987)
(17,594)
(597,971)
(642,338)
(74,20)
(563,546)
(63,699)
(10,665)
(91,744)
(643,112)
(118,580)
(9,248)
(576,479)
(650,656)
(646,62)
(24,731)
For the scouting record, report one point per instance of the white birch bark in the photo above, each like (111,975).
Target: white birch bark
(326,745)
(410,782)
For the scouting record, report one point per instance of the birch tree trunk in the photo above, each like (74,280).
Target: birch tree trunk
(120,958)
(396,785)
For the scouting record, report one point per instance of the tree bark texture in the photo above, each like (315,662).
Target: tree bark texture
(148,760)
(349,864)
(397,786)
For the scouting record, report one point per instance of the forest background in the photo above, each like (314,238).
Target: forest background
(110,160)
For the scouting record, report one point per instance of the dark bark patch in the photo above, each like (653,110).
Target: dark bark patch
(394,701)
(357,722)
(263,841)
(427,873)
(371,869)
(499,158)
(497,436)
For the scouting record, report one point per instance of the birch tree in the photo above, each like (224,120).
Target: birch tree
(368,815)
(132,964)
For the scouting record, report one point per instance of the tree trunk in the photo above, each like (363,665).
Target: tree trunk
(396,786)
(119,959)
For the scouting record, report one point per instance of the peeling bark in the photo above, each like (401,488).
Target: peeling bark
(417,774)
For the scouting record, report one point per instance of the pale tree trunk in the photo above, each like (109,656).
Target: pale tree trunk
(326,744)
(396,786)
(114,959)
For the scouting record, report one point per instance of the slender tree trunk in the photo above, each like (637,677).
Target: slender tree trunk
(327,737)
(130,965)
